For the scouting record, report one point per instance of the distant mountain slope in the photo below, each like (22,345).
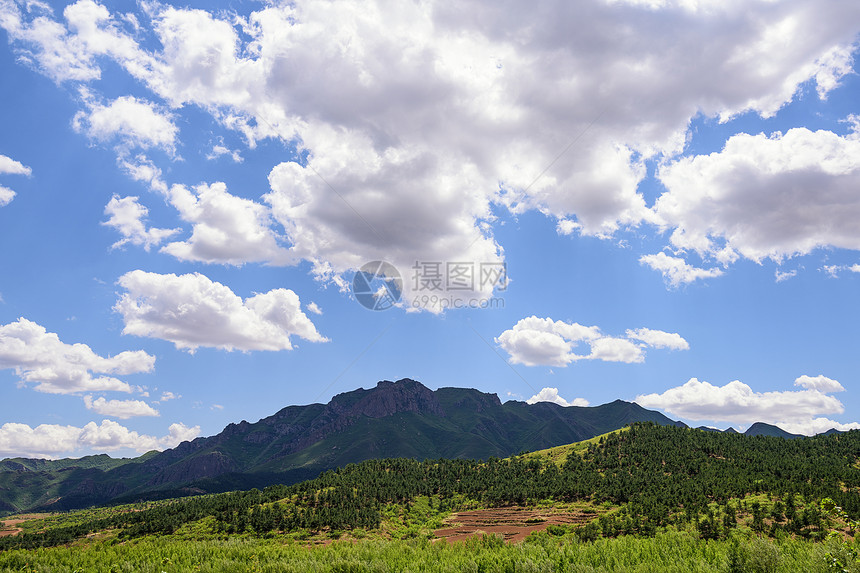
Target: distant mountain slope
(394,419)
(762,429)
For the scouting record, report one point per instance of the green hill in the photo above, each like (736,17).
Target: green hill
(652,477)
(402,419)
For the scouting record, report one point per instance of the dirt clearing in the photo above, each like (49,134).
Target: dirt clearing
(512,523)
(9,526)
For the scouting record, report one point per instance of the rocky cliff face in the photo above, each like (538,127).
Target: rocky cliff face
(386,399)
(389,398)
(211,464)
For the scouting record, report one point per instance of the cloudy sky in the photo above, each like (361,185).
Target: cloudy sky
(652,200)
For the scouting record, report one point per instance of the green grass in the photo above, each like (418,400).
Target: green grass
(667,552)
(559,454)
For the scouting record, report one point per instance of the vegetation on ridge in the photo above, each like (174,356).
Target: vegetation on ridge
(656,476)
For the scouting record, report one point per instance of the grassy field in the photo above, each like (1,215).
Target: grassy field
(667,552)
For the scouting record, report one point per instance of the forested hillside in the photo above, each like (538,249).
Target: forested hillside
(393,419)
(641,480)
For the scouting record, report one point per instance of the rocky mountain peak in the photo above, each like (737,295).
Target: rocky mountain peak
(395,397)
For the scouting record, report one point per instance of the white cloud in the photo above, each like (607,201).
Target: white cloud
(134,122)
(784,276)
(176,434)
(69,53)
(362,211)
(227,229)
(659,338)
(551,395)
(738,403)
(6,196)
(220,149)
(676,271)
(567,227)
(833,271)
(9,165)
(53,440)
(122,409)
(314,308)
(610,349)
(820,383)
(128,217)
(141,168)
(766,197)
(167,396)
(537,341)
(817,426)
(192,311)
(416,121)
(46,43)
(39,357)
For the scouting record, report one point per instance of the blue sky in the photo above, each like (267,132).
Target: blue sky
(187,191)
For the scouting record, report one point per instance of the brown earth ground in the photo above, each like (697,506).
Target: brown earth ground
(10,526)
(512,523)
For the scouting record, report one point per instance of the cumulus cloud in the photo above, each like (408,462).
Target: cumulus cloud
(6,196)
(122,409)
(193,311)
(416,121)
(659,338)
(537,341)
(738,403)
(676,271)
(131,121)
(314,308)
(46,43)
(53,440)
(226,229)
(39,357)
(362,211)
(10,166)
(610,349)
(820,383)
(551,395)
(128,217)
(766,196)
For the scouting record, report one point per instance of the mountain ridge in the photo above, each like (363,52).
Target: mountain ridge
(392,419)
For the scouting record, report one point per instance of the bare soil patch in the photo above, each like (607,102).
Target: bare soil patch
(512,523)
(9,526)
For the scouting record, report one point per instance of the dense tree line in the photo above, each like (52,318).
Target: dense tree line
(660,474)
